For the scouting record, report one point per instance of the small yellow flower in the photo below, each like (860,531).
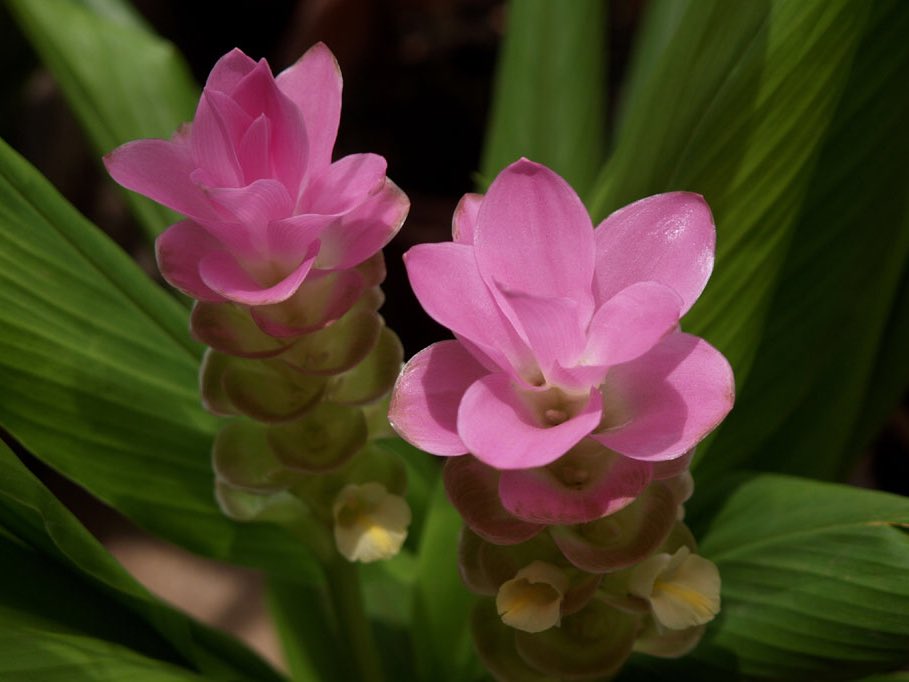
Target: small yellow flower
(370,522)
(532,600)
(683,589)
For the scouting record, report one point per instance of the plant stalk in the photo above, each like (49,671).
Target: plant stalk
(354,628)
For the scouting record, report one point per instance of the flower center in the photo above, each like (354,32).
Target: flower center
(553,406)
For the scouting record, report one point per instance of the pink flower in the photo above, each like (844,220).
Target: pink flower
(564,334)
(266,208)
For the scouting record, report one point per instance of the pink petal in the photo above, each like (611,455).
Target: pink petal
(161,171)
(667,238)
(425,400)
(221,272)
(345,184)
(313,84)
(179,249)
(534,236)
(255,205)
(212,142)
(668,399)
(321,299)
(364,231)
(551,327)
(233,121)
(586,484)
(631,323)
(258,94)
(254,150)
(472,488)
(464,219)
(447,283)
(499,429)
(289,240)
(228,71)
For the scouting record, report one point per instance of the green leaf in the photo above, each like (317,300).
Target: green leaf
(788,117)
(814,583)
(831,362)
(549,97)
(27,654)
(733,101)
(76,601)
(99,378)
(122,80)
(441,632)
(300,613)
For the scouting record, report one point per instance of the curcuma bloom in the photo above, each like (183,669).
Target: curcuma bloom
(569,378)
(266,209)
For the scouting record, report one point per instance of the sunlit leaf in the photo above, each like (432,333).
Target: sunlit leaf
(441,639)
(99,377)
(66,604)
(789,118)
(549,96)
(814,584)
(122,80)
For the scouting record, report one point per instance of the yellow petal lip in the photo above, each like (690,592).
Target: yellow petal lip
(683,589)
(532,600)
(370,523)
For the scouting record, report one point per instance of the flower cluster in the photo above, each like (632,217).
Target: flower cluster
(569,404)
(281,248)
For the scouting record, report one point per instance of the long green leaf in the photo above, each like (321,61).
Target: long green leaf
(58,580)
(814,584)
(817,391)
(441,633)
(549,96)
(733,101)
(308,637)
(122,80)
(28,655)
(99,377)
(788,117)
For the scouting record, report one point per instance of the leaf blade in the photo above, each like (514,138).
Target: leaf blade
(123,81)
(48,550)
(549,94)
(100,378)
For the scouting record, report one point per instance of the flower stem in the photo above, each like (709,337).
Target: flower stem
(355,630)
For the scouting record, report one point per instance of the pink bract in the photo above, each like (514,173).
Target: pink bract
(253,174)
(563,333)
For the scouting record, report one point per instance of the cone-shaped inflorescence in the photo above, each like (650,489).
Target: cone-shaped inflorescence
(569,406)
(281,250)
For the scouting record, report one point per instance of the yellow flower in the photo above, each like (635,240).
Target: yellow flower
(683,589)
(370,522)
(532,600)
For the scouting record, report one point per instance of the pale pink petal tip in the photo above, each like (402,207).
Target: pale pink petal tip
(425,400)
(464,220)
